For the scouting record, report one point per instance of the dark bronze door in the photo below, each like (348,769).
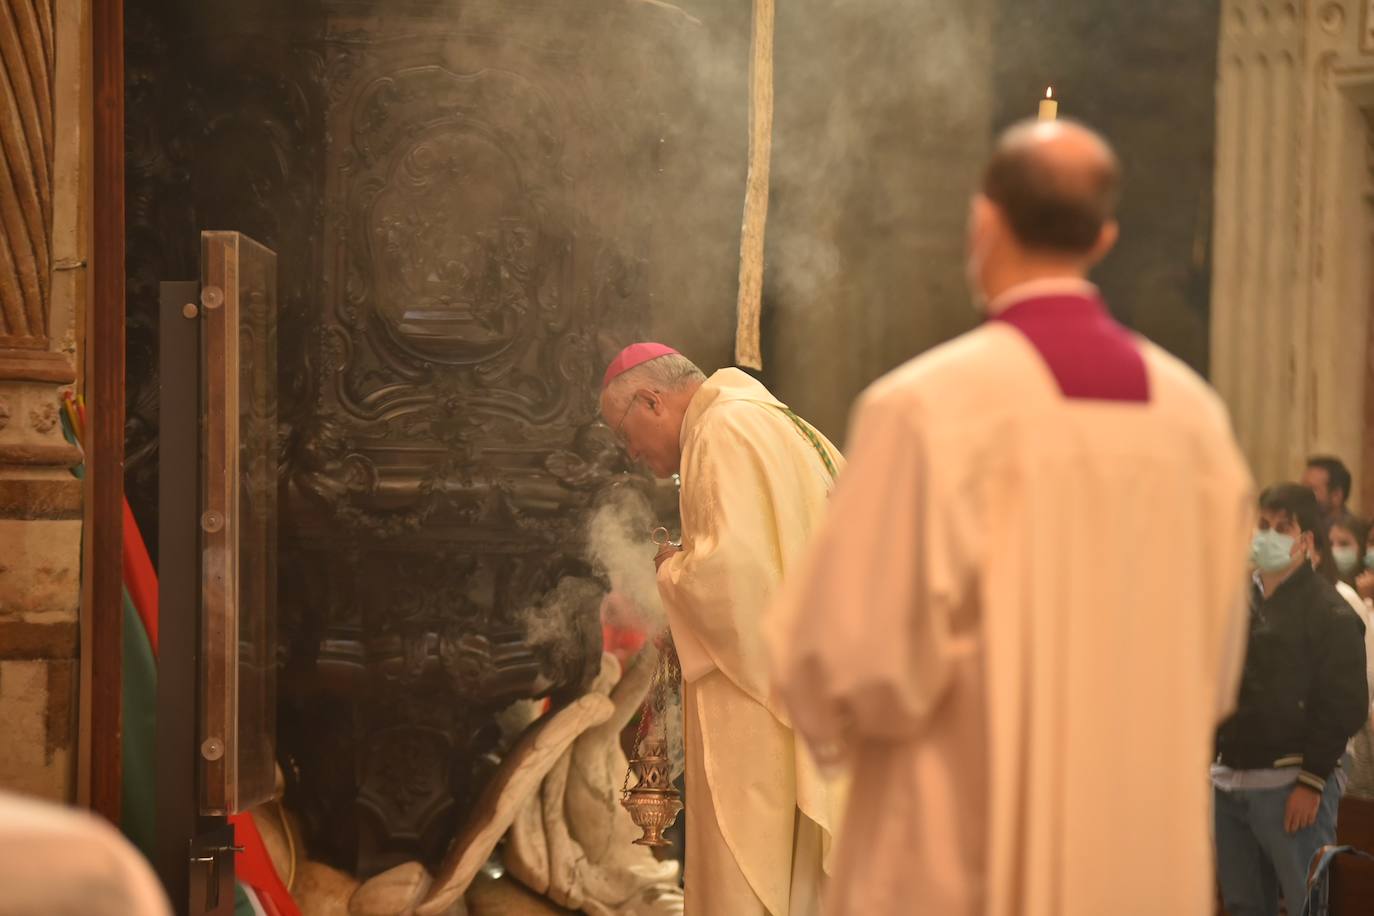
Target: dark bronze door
(473,206)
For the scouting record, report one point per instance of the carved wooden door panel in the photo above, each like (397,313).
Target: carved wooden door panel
(472,208)
(475,276)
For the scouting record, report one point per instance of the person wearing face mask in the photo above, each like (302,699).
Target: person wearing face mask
(1024,615)
(1338,560)
(1278,777)
(1364,580)
(1347,537)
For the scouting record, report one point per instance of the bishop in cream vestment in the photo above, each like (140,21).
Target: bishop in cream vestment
(753,489)
(755,479)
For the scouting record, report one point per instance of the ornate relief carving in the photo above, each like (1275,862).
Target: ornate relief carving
(26,139)
(4,413)
(43,418)
(450,284)
(1332,18)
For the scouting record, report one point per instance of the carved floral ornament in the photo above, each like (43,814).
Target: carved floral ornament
(1332,18)
(464,245)
(43,418)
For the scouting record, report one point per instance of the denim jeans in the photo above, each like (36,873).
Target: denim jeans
(1257,859)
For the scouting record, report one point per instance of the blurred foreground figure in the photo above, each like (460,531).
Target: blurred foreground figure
(755,478)
(1023,615)
(56,860)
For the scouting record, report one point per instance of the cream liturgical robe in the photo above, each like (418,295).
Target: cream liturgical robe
(759,816)
(1022,621)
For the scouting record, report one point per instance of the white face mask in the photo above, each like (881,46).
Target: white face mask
(1347,559)
(1271,552)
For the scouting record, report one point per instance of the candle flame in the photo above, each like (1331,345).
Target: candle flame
(1049,92)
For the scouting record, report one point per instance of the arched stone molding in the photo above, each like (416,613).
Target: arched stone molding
(1291,288)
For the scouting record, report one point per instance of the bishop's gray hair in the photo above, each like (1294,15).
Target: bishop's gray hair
(665,373)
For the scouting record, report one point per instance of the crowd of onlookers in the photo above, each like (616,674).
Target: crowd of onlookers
(1299,740)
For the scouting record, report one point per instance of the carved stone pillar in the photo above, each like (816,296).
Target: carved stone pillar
(41,282)
(1291,289)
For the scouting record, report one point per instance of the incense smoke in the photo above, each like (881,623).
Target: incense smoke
(563,625)
(881,119)
(619,547)
(564,628)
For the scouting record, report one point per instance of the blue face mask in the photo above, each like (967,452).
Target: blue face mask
(1347,559)
(1271,552)
(1369,560)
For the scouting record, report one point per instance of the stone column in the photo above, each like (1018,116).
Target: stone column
(1291,288)
(43,107)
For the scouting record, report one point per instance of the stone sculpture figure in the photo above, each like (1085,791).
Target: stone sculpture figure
(574,842)
(554,800)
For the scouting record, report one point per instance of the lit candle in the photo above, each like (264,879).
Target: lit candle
(1049,106)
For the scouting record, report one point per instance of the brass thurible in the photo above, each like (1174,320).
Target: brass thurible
(653,803)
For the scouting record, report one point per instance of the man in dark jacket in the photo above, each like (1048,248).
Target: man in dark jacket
(1303,695)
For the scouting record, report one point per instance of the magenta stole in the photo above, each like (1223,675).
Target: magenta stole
(1090,355)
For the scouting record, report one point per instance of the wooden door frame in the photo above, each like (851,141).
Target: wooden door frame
(103,579)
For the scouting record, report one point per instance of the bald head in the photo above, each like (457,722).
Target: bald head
(1056,184)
